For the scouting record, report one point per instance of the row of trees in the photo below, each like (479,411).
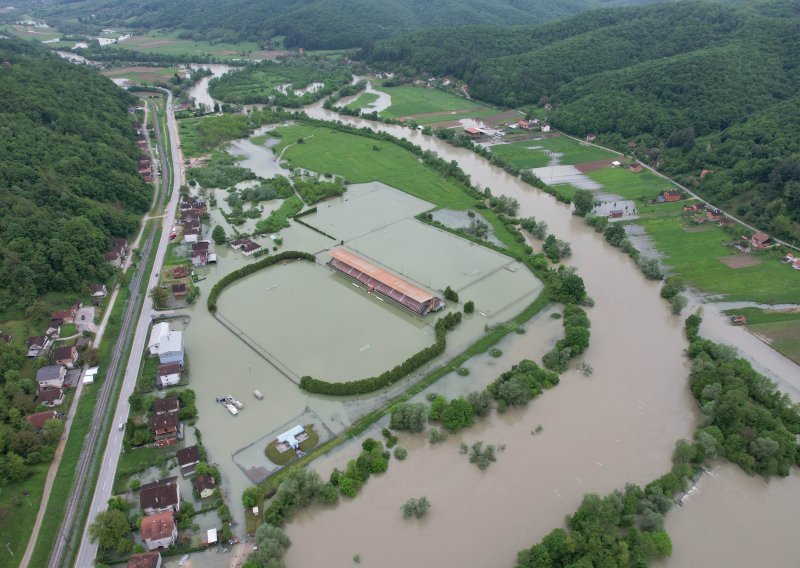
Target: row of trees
(387,378)
(575,340)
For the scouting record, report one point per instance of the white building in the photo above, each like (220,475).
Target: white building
(166,343)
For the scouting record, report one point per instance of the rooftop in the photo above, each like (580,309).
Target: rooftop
(157,527)
(159,494)
(188,456)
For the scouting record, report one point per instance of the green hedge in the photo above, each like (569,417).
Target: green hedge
(251,268)
(391,376)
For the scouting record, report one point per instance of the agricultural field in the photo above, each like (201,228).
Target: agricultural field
(539,152)
(144,75)
(168,43)
(628,185)
(695,252)
(363,101)
(780,329)
(415,101)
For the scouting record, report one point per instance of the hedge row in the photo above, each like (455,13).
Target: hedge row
(362,386)
(228,279)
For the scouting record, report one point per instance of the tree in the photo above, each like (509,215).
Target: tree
(417,508)
(218,234)
(159,296)
(272,546)
(469,307)
(457,415)
(677,303)
(250,497)
(583,201)
(110,530)
(409,416)
(52,431)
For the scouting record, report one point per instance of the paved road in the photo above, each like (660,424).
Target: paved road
(105,480)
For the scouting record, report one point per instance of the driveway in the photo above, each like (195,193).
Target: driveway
(84,321)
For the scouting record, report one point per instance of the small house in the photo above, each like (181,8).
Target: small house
(66,355)
(54,327)
(191,233)
(292,437)
(199,253)
(168,375)
(249,247)
(704,173)
(51,376)
(98,291)
(672,195)
(50,396)
(145,560)
(37,345)
(179,290)
(188,458)
(616,213)
(545,128)
(160,496)
(168,405)
(472,132)
(548,106)
(166,429)
(166,344)
(759,240)
(739,320)
(180,272)
(616,164)
(38,420)
(159,530)
(591,137)
(205,485)
(636,168)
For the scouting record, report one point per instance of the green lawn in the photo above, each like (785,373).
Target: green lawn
(360,159)
(757,316)
(784,336)
(170,44)
(408,101)
(18,513)
(137,460)
(694,256)
(363,100)
(478,112)
(282,458)
(535,153)
(628,185)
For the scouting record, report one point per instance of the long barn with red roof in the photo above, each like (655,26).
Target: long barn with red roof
(377,280)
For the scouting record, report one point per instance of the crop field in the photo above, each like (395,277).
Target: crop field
(780,329)
(413,101)
(170,44)
(694,255)
(538,153)
(628,185)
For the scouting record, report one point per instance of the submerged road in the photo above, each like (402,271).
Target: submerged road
(135,324)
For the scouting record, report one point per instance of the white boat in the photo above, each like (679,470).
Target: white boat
(234,402)
(231,408)
(184,560)
(258,394)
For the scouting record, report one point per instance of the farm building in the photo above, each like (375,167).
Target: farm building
(384,283)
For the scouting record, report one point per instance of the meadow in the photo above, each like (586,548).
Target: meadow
(144,75)
(628,185)
(536,153)
(694,255)
(411,101)
(781,329)
(168,43)
(363,101)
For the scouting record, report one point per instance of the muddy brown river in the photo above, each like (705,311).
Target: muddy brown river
(617,426)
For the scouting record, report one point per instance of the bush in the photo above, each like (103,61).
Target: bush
(417,508)
(521,384)
(400,453)
(450,294)
(482,457)
(436,436)
(457,415)
(409,416)
(469,307)
(677,303)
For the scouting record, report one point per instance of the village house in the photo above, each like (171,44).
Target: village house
(51,376)
(713,216)
(249,247)
(145,560)
(160,496)
(205,485)
(548,106)
(591,137)
(759,240)
(68,315)
(159,531)
(168,405)
(98,291)
(616,213)
(200,253)
(180,272)
(179,290)
(54,327)
(166,343)
(188,458)
(545,128)
(37,345)
(66,355)
(472,132)
(166,429)
(738,320)
(50,396)
(38,420)
(236,243)
(191,233)
(116,252)
(636,168)
(672,195)
(168,375)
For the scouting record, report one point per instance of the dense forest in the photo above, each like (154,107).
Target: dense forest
(69,176)
(685,86)
(316,24)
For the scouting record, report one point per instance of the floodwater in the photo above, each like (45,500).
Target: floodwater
(258,158)
(556,174)
(200,90)
(380,104)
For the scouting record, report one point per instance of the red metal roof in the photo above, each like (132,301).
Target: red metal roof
(381,275)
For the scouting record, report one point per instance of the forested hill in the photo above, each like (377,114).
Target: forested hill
(314,24)
(69,176)
(694,85)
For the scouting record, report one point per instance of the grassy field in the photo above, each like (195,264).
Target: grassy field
(144,75)
(628,185)
(170,44)
(363,100)
(36,34)
(478,112)
(410,101)
(279,458)
(18,512)
(780,329)
(535,153)
(360,159)
(695,256)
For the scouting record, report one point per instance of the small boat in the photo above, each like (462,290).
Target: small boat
(234,402)
(258,394)
(184,560)
(232,409)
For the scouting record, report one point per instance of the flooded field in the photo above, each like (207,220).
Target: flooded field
(200,90)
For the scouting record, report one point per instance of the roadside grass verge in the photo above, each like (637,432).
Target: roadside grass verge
(695,257)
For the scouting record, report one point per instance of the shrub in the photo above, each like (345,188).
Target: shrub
(677,303)
(400,453)
(436,436)
(469,307)
(482,457)
(457,415)
(450,294)
(409,416)
(417,508)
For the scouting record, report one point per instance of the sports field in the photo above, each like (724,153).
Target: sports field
(539,152)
